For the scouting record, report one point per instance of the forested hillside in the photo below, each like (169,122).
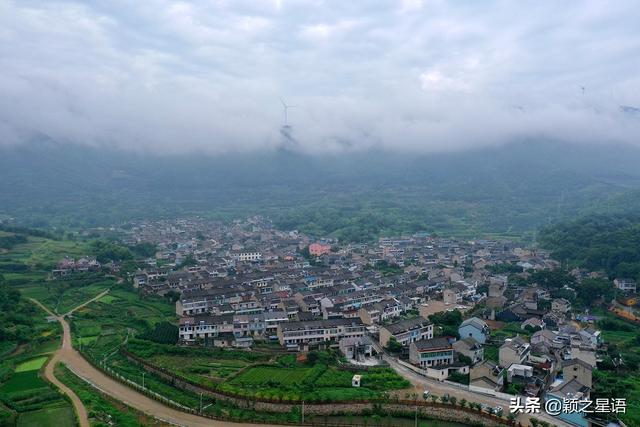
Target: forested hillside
(507,191)
(598,242)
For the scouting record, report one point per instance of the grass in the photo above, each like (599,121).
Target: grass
(39,251)
(204,370)
(23,381)
(58,416)
(7,347)
(59,296)
(107,299)
(32,364)
(100,407)
(46,347)
(76,296)
(260,375)
(87,340)
(313,383)
(491,352)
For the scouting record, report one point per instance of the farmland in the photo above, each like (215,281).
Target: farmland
(105,323)
(48,417)
(317,382)
(34,402)
(31,365)
(273,376)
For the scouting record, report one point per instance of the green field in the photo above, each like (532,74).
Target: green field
(61,416)
(316,382)
(87,340)
(260,375)
(103,325)
(42,252)
(204,370)
(23,381)
(107,299)
(31,365)
(100,407)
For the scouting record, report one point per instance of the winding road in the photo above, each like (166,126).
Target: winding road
(79,366)
(83,369)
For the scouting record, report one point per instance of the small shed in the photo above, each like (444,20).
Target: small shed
(355,381)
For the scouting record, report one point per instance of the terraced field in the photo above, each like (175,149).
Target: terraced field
(261,375)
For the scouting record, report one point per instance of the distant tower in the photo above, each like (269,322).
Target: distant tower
(286,107)
(288,142)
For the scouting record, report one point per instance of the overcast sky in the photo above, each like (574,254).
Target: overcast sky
(423,75)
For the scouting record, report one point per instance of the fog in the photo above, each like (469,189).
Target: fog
(169,77)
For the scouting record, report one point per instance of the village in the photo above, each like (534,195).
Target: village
(438,308)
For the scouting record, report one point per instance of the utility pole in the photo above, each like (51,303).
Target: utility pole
(143,379)
(200,402)
(302,412)
(416,415)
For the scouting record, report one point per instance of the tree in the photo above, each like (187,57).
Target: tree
(172,295)
(394,346)
(144,249)
(188,261)
(592,290)
(552,279)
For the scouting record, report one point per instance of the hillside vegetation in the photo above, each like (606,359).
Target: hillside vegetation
(507,191)
(598,242)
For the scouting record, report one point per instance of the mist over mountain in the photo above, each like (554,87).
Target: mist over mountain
(507,190)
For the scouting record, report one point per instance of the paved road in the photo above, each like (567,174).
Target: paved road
(438,388)
(76,363)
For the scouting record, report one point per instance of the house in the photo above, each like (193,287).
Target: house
(625,285)
(431,352)
(202,328)
(454,294)
(533,323)
(298,335)
(380,311)
(248,256)
(522,372)
(560,305)
(319,249)
(406,331)
(554,319)
(514,350)
(577,369)
(470,348)
(546,337)
(486,375)
(450,296)
(570,390)
(356,348)
(475,328)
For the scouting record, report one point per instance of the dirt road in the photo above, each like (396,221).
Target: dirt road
(81,411)
(77,364)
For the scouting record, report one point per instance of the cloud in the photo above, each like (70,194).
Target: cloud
(169,76)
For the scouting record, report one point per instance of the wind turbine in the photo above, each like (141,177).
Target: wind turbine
(286,111)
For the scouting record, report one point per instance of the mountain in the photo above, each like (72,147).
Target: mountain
(509,190)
